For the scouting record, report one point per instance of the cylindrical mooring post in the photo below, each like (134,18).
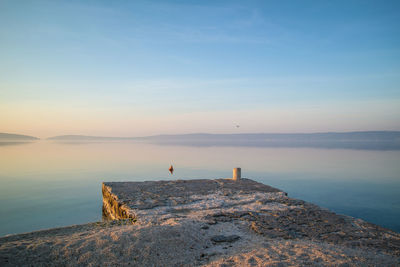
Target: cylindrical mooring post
(237,174)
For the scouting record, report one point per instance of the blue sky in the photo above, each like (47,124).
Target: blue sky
(148,67)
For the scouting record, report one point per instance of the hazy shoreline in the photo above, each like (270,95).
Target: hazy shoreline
(371,140)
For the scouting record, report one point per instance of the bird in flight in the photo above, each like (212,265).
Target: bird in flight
(171,169)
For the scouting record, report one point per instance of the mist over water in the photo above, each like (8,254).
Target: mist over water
(46,184)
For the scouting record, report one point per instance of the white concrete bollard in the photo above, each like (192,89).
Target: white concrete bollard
(237,174)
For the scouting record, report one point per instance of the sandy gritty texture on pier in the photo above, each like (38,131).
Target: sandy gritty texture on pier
(220,224)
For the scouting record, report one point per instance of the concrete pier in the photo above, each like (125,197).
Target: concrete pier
(221,222)
(238,210)
(136,200)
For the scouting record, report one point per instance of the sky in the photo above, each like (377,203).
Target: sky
(136,68)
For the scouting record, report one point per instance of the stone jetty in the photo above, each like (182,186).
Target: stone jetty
(221,222)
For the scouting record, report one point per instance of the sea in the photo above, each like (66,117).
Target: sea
(46,184)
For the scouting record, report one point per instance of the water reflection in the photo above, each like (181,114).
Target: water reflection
(48,184)
(13,143)
(358,145)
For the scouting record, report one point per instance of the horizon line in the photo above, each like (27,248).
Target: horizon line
(204,133)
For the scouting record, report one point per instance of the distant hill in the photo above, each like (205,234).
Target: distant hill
(379,140)
(87,138)
(16,137)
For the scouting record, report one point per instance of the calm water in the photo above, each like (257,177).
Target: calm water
(45,184)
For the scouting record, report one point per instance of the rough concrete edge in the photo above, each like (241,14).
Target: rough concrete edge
(52,231)
(112,207)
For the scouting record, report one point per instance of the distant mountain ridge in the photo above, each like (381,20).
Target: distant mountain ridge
(16,137)
(87,138)
(360,135)
(352,140)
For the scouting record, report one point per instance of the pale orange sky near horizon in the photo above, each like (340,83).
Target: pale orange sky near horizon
(50,120)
